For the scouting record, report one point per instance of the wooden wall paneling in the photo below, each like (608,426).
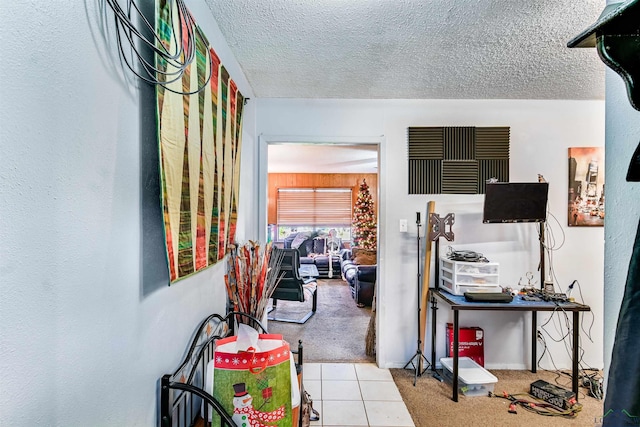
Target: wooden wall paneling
(317,180)
(272,191)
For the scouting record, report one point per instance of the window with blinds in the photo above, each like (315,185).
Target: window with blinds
(314,206)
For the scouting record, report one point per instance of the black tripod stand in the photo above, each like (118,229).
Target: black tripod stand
(418,359)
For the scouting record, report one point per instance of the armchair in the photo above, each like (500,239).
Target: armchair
(361,280)
(291,287)
(360,277)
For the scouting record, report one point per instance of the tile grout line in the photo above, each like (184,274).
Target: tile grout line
(359,381)
(366,414)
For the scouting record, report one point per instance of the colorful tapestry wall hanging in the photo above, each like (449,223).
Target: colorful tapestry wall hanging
(199,137)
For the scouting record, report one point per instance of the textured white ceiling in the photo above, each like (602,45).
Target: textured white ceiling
(425,49)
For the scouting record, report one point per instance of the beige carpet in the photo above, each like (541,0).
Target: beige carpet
(430,404)
(336,333)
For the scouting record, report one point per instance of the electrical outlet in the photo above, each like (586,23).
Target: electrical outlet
(403,225)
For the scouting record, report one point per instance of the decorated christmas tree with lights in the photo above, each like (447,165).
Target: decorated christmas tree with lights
(364,220)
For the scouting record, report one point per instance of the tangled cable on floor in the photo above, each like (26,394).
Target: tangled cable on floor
(536,406)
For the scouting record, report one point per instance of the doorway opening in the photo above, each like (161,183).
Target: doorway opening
(339,330)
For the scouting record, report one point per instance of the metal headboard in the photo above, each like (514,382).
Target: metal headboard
(182,393)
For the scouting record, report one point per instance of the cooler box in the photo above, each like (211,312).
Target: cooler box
(473,379)
(470,343)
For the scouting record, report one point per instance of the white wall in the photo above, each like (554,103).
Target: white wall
(87,322)
(622,136)
(541,132)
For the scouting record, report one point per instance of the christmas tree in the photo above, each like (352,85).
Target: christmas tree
(364,220)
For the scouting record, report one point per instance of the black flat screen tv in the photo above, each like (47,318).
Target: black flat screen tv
(515,202)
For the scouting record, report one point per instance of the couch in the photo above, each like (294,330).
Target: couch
(313,249)
(360,277)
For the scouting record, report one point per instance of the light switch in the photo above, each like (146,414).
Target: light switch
(403,225)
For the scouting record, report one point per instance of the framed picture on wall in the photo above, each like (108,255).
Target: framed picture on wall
(586,187)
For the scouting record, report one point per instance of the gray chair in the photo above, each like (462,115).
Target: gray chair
(292,287)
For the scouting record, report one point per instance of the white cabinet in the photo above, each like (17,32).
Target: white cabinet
(458,277)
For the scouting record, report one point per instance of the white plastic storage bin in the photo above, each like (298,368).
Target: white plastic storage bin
(458,277)
(473,379)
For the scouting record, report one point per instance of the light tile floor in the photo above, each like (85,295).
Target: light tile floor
(355,394)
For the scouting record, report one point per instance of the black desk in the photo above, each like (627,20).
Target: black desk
(458,303)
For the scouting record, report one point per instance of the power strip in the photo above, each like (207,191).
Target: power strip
(537,295)
(554,296)
(556,396)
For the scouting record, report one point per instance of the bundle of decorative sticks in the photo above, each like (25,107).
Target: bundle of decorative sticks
(252,277)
